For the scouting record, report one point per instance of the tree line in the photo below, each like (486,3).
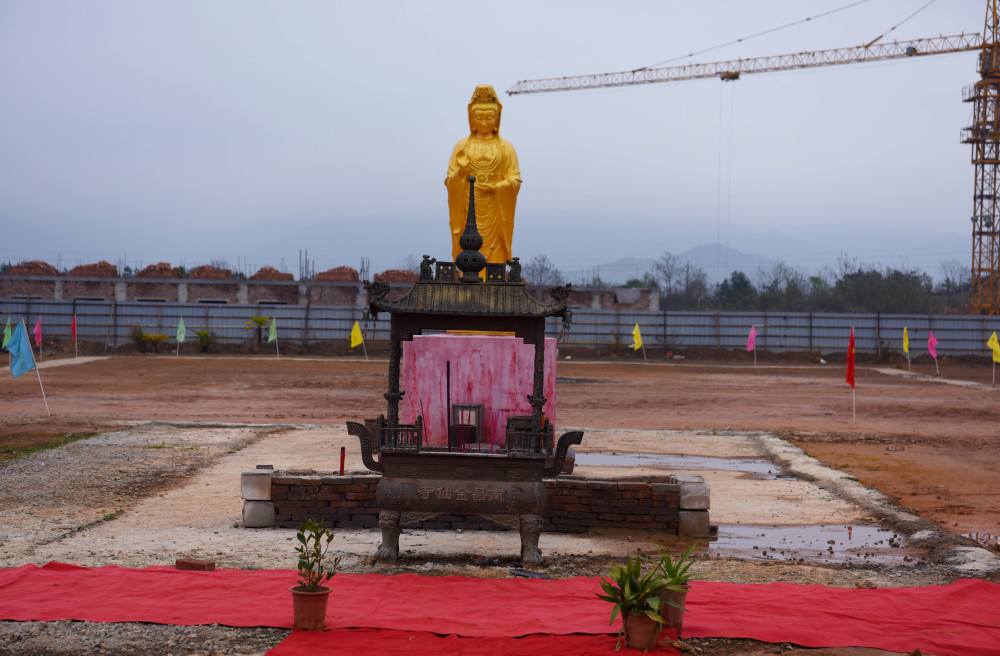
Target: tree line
(848,286)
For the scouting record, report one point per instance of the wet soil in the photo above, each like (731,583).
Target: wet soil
(927,441)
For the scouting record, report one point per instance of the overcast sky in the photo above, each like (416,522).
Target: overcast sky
(191,131)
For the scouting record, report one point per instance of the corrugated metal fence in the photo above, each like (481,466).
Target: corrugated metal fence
(112,324)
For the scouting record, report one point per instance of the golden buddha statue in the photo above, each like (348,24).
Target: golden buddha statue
(494,163)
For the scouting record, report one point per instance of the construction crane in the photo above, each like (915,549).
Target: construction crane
(984,134)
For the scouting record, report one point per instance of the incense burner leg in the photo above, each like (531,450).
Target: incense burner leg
(531,527)
(388,551)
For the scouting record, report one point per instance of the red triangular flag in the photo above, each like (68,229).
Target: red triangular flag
(74,327)
(850,360)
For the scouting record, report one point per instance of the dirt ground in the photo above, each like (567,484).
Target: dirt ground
(929,442)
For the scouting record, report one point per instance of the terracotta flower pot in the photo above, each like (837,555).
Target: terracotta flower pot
(309,608)
(673,618)
(641,632)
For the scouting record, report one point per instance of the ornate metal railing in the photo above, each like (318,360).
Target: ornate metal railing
(405,437)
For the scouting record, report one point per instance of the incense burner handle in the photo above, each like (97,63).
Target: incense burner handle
(367,440)
(565,441)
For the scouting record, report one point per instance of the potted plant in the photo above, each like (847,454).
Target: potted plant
(676,576)
(636,597)
(310,596)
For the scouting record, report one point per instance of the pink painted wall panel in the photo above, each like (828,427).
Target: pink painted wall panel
(496,371)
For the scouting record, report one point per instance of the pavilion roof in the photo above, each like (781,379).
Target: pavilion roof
(485,299)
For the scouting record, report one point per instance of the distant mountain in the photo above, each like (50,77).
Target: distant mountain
(707,257)
(718,261)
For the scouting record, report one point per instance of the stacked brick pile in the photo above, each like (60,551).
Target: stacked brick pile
(209,272)
(345,501)
(270,273)
(35,268)
(396,275)
(576,505)
(339,274)
(100,270)
(159,270)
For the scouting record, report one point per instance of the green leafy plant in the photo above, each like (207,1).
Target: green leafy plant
(676,574)
(632,593)
(206,338)
(154,339)
(137,339)
(146,341)
(676,571)
(257,323)
(314,542)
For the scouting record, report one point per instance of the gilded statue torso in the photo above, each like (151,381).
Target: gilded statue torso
(485,157)
(492,160)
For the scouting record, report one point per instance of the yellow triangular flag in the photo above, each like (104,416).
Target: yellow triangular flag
(636,338)
(994,346)
(356,335)
(906,341)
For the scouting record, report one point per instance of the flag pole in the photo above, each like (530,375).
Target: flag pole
(49,413)
(276,352)
(854,407)
(364,347)
(644,354)
(177,354)
(43,392)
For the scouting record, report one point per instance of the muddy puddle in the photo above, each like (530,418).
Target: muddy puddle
(815,544)
(757,468)
(812,543)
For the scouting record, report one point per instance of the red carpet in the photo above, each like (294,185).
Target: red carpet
(961,618)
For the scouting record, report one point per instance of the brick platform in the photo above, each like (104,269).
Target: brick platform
(675,505)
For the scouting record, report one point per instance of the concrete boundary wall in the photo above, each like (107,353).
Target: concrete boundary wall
(673,505)
(111,323)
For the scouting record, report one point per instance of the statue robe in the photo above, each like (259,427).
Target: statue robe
(494,216)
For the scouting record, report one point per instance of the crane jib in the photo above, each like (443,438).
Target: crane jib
(732,69)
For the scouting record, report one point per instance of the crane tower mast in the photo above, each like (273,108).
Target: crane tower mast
(984,135)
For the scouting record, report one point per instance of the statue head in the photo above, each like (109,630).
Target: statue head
(484,111)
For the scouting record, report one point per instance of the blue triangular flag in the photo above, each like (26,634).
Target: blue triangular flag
(22,359)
